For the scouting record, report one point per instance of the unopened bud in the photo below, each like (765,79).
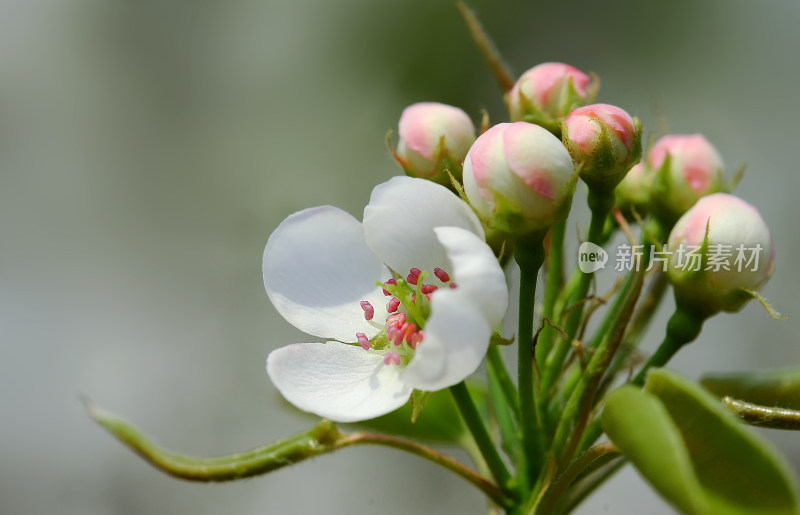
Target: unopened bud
(519,178)
(434,138)
(686,167)
(604,142)
(719,248)
(546,93)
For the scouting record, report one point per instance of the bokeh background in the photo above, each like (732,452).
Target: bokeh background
(149,147)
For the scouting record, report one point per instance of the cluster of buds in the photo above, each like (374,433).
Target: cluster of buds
(434,139)
(519,177)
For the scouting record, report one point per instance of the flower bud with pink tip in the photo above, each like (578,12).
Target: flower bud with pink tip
(604,141)
(686,167)
(434,138)
(546,93)
(519,178)
(718,249)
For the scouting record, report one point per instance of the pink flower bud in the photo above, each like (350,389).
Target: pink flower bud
(686,168)
(546,93)
(604,142)
(519,178)
(434,137)
(717,247)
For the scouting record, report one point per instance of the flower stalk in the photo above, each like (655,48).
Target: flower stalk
(321,439)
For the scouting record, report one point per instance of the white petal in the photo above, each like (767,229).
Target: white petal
(317,270)
(511,319)
(476,271)
(340,382)
(399,222)
(456,339)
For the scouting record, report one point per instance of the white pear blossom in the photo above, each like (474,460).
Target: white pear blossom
(418,261)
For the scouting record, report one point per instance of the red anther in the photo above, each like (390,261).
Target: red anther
(369,311)
(441,275)
(363,340)
(453,286)
(408,331)
(399,335)
(393,283)
(413,276)
(417,338)
(394,303)
(429,288)
(398,319)
(428,296)
(391,357)
(392,331)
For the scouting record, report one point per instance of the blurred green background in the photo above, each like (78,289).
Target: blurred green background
(148,148)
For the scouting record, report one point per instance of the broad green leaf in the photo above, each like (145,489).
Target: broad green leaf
(739,471)
(639,424)
(774,388)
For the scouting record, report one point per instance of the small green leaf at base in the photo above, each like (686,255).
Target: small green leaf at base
(418,401)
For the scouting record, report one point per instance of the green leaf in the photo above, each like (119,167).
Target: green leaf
(739,472)
(639,424)
(775,388)
(418,400)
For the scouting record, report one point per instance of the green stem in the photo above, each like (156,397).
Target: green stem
(579,404)
(494,361)
(683,327)
(321,439)
(554,277)
(487,48)
(529,258)
(585,487)
(600,205)
(593,458)
(763,416)
(479,432)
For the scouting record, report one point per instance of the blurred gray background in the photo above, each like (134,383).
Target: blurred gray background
(149,147)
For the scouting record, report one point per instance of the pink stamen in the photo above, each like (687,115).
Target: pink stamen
(441,275)
(413,276)
(391,357)
(363,341)
(416,338)
(453,286)
(429,288)
(394,304)
(369,311)
(414,299)
(393,283)
(428,296)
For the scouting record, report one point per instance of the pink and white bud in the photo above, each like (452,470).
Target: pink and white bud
(519,178)
(717,248)
(604,141)
(633,192)
(546,93)
(687,167)
(433,138)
